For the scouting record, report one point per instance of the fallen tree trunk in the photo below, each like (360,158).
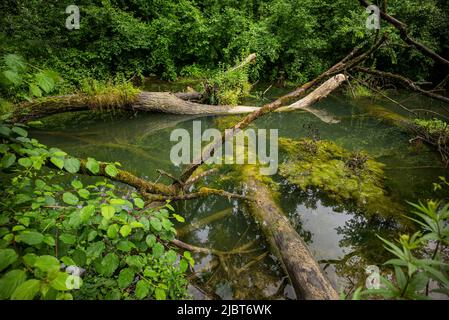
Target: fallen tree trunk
(306,276)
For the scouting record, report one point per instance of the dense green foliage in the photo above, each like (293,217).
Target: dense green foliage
(293,39)
(61,238)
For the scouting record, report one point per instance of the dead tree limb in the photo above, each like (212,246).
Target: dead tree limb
(405,81)
(402,28)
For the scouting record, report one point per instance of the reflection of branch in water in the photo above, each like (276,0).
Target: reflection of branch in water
(343,260)
(205,221)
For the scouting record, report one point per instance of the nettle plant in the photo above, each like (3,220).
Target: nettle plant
(83,241)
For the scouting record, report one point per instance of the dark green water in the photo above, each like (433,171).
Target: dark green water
(333,231)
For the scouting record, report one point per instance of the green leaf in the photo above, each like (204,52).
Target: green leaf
(109,264)
(70,198)
(156,224)
(183,265)
(27,290)
(60,282)
(178,217)
(92,165)
(142,289)
(58,162)
(72,165)
(12,77)
(25,162)
(150,240)
(87,212)
(77,184)
(125,230)
(111,170)
(67,238)
(95,249)
(107,211)
(8,160)
(84,193)
(15,62)
(160,294)
(7,257)
(47,263)
(112,231)
(44,81)
(125,246)
(166,224)
(30,237)
(158,250)
(139,202)
(10,281)
(125,278)
(35,90)
(21,132)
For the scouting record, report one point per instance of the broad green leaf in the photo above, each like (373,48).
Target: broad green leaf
(125,230)
(30,237)
(25,162)
(109,264)
(87,212)
(44,81)
(150,240)
(107,211)
(60,282)
(67,238)
(15,62)
(7,257)
(72,165)
(8,160)
(125,278)
(21,132)
(84,193)
(113,231)
(142,289)
(160,294)
(158,250)
(10,281)
(92,165)
(70,198)
(77,184)
(27,290)
(12,77)
(47,263)
(111,170)
(139,202)
(156,224)
(35,90)
(58,162)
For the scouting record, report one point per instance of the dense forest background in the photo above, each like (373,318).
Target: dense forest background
(294,40)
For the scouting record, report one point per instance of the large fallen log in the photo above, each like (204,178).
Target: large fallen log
(306,276)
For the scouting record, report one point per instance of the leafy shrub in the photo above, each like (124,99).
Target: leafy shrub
(83,241)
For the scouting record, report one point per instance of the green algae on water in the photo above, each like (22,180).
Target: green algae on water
(341,174)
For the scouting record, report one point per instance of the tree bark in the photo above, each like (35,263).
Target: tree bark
(306,276)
